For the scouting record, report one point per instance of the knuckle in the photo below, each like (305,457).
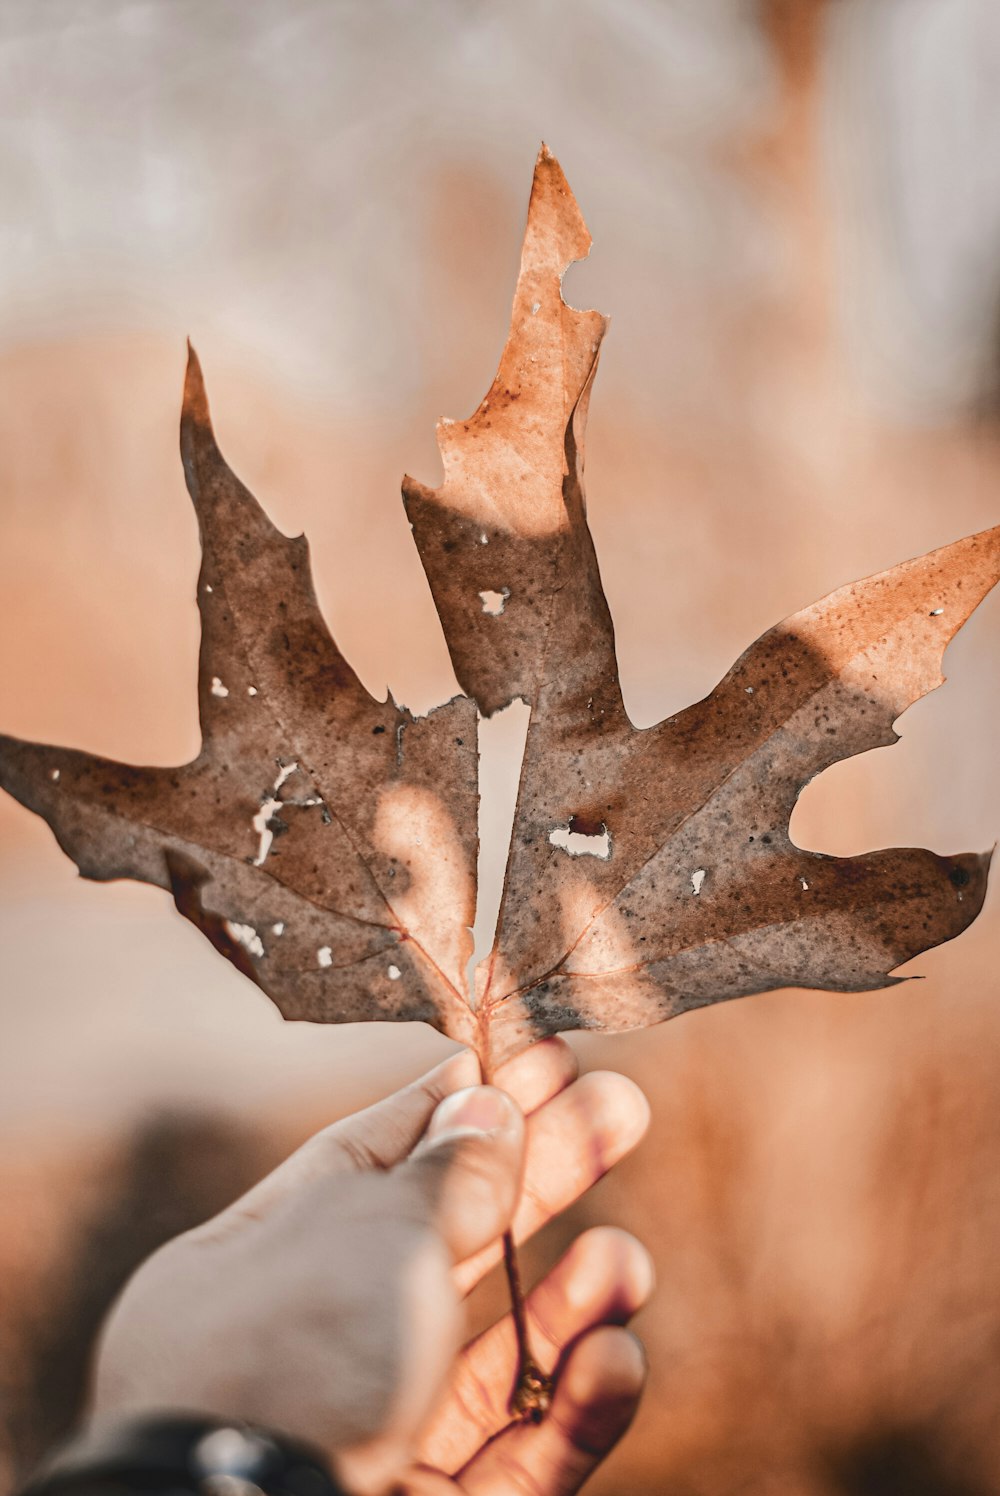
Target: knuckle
(540,1203)
(351,1148)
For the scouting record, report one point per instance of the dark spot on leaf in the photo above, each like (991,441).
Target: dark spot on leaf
(587,826)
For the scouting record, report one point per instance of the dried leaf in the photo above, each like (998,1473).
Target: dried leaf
(326,842)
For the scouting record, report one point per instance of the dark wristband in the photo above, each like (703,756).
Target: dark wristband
(182,1455)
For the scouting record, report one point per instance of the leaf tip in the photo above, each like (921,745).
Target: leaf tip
(194,406)
(556,234)
(412,490)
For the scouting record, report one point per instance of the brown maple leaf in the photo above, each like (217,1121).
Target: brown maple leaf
(326,841)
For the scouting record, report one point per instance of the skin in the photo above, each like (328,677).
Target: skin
(327,1302)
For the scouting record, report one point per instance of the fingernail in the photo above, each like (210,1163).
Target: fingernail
(478,1109)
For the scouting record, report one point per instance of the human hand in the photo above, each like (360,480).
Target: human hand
(325,1302)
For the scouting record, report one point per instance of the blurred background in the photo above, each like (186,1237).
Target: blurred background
(796,215)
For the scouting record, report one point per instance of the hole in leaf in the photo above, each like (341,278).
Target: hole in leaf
(263,830)
(494,602)
(804,883)
(218,689)
(279,928)
(54,776)
(582,843)
(697,879)
(394,973)
(263,822)
(247,937)
(324,956)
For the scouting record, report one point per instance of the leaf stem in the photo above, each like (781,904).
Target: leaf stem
(531,1393)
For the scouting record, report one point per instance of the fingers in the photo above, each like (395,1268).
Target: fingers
(385,1133)
(470,1160)
(604,1278)
(594,1403)
(571,1142)
(467,1171)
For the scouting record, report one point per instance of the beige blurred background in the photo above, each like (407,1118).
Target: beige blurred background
(796,214)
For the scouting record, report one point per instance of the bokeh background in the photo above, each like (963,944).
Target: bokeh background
(796,214)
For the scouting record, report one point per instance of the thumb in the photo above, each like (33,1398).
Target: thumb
(467,1169)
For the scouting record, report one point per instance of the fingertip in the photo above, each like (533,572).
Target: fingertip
(599,1389)
(609,1360)
(617,1109)
(628,1100)
(608,1255)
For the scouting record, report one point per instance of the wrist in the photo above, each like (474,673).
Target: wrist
(186,1454)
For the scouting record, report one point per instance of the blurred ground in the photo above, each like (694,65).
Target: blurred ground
(796,214)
